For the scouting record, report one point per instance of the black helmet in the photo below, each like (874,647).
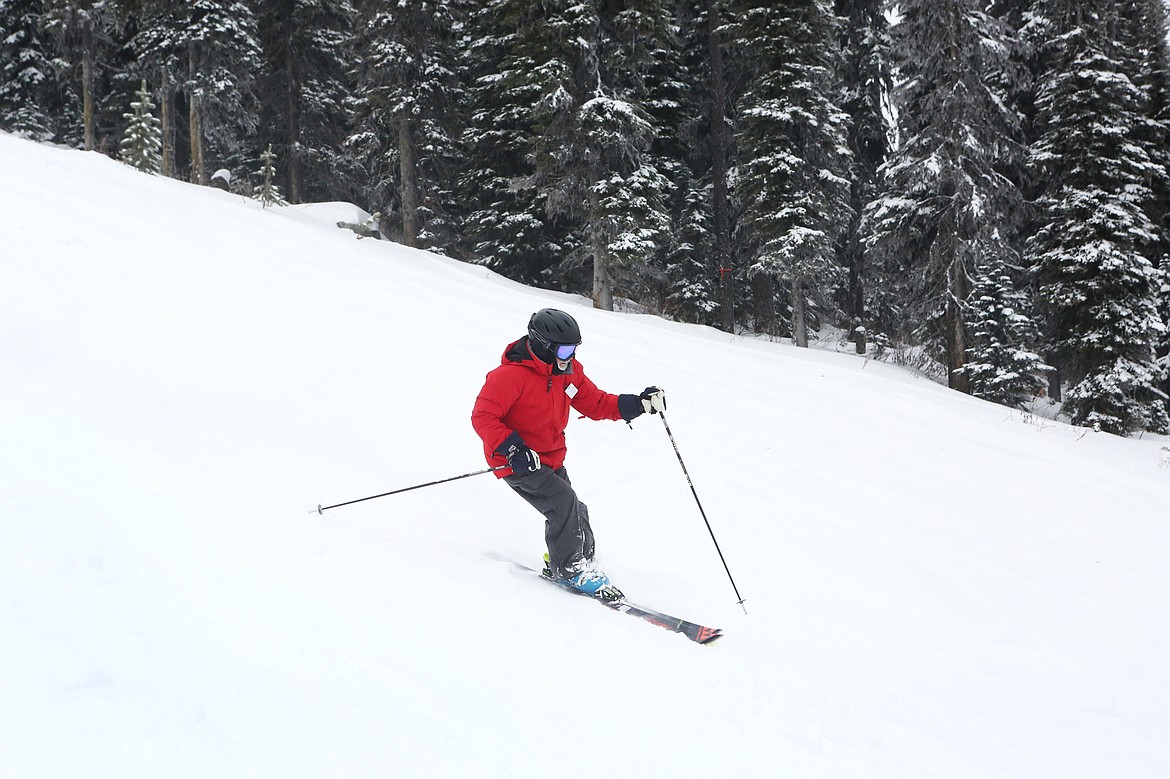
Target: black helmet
(549,328)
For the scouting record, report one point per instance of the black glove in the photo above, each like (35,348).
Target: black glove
(521,459)
(630,407)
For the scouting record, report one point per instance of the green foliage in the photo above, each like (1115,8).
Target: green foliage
(267,191)
(1100,289)
(142,142)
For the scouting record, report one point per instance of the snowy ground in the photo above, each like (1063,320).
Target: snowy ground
(936,586)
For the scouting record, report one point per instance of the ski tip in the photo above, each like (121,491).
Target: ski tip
(709,635)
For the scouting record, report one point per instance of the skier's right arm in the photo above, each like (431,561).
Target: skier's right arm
(492,404)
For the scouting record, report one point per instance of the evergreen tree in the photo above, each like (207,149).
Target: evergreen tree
(681,94)
(82,31)
(223,56)
(1001,365)
(507,224)
(865,85)
(405,119)
(26,72)
(719,145)
(142,142)
(1146,26)
(561,137)
(307,47)
(793,156)
(946,204)
(690,282)
(205,52)
(1100,290)
(161,53)
(267,191)
(592,161)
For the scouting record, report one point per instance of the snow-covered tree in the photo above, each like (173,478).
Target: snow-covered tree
(223,58)
(561,140)
(205,51)
(592,155)
(1100,289)
(506,224)
(793,154)
(946,203)
(142,141)
(26,72)
(405,122)
(307,48)
(267,191)
(83,34)
(865,85)
(1002,365)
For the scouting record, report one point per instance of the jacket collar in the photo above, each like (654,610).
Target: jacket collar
(520,352)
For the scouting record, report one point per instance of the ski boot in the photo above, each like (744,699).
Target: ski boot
(585,579)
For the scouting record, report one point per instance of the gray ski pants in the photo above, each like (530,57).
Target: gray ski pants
(566,519)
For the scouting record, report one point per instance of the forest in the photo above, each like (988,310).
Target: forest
(979,188)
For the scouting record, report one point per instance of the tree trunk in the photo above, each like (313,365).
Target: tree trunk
(408,173)
(764,304)
(955,327)
(166,108)
(87,86)
(195,122)
(799,314)
(602,286)
(194,127)
(719,201)
(1054,377)
(294,128)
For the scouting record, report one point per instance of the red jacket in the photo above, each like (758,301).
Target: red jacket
(524,395)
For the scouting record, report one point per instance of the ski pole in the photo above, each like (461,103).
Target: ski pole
(322,509)
(704,513)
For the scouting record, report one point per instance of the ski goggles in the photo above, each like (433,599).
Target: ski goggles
(565,351)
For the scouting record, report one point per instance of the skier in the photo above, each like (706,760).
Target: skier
(521,414)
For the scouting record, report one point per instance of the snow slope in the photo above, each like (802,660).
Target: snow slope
(936,586)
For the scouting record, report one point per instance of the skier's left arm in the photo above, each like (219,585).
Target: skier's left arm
(596,404)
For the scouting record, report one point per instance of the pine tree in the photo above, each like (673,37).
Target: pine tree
(405,120)
(865,84)
(161,55)
(203,52)
(1101,291)
(267,191)
(1146,25)
(223,57)
(82,31)
(507,225)
(561,142)
(793,155)
(307,47)
(719,144)
(946,203)
(592,161)
(1002,366)
(26,72)
(142,142)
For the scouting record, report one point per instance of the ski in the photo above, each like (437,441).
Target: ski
(698,633)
